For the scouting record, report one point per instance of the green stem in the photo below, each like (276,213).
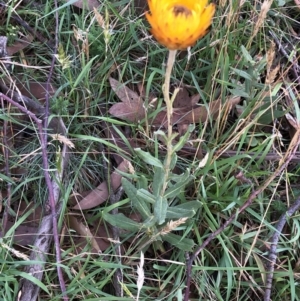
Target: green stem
(169,105)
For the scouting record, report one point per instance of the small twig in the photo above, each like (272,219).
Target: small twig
(21,108)
(283,51)
(43,136)
(21,99)
(273,247)
(53,190)
(6,151)
(284,163)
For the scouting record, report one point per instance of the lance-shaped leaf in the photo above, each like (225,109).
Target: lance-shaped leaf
(121,221)
(160,209)
(137,202)
(148,158)
(184,244)
(177,188)
(187,209)
(158,180)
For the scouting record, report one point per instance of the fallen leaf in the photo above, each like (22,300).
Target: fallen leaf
(185,107)
(31,89)
(84,231)
(19,45)
(101,193)
(201,113)
(131,108)
(182,98)
(24,235)
(90,4)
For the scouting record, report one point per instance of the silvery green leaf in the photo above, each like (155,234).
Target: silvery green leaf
(138,203)
(148,158)
(146,195)
(158,180)
(184,244)
(160,209)
(178,187)
(187,209)
(121,221)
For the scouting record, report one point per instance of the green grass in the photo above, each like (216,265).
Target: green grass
(228,62)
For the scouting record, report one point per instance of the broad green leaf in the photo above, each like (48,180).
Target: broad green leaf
(158,180)
(161,133)
(239,92)
(268,117)
(142,182)
(138,203)
(247,55)
(149,222)
(242,73)
(187,209)
(175,189)
(231,205)
(148,158)
(160,209)
(121,221)
(184,244)
(146,196)
(173,160)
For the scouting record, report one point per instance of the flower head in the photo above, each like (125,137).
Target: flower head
(178,24)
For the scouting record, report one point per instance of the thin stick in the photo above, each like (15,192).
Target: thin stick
(294,62)
(52,199)
(6,152)
(274,241)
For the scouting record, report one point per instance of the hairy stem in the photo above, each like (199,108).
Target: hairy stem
(169,105)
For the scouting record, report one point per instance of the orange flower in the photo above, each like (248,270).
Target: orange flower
(178,24)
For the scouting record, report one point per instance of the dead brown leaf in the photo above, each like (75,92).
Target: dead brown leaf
(30,89)
(186,108)
(201,114)
(101,193)
(182,98)
(83,231)
(90,4)
(131,108)
(24,235)
(37,89)
(19,45)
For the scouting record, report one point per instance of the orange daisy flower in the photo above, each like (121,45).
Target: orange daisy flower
(178,24)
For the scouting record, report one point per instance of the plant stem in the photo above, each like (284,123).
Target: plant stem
(169,104)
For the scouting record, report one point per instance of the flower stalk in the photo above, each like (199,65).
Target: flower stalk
(177,25)
(169,106)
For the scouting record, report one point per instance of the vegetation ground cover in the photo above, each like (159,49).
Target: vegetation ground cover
(238,113)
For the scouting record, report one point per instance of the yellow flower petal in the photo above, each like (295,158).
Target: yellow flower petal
(178,24)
